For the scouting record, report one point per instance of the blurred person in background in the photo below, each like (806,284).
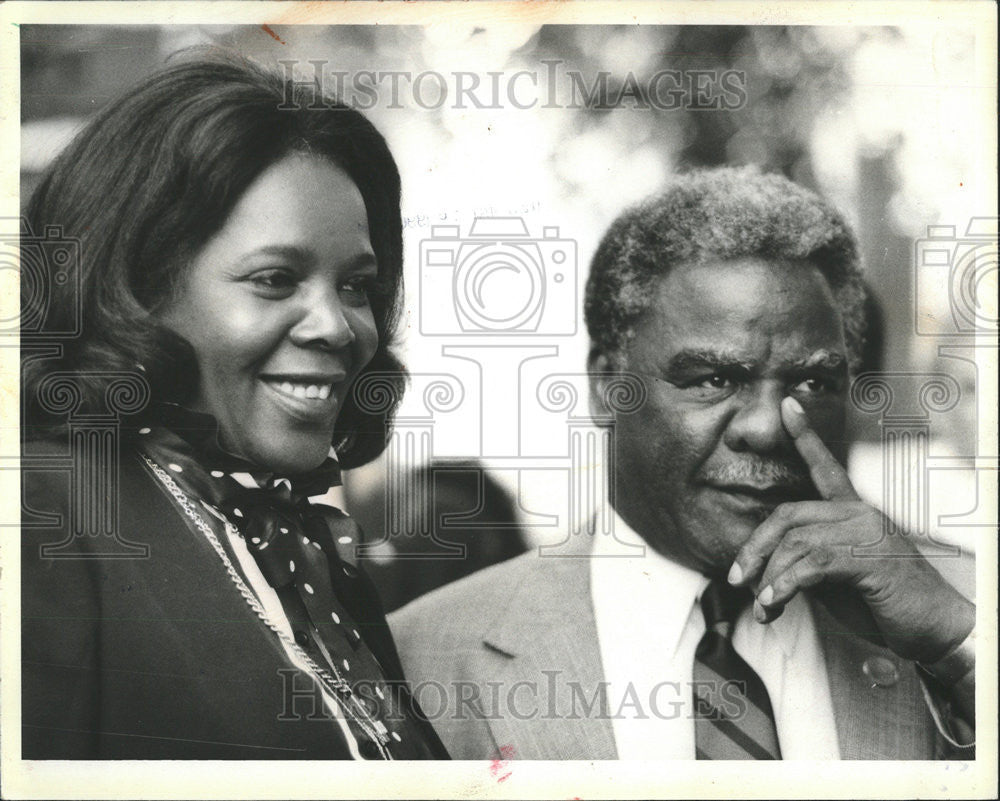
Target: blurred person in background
(241,251)
(772,614)
(465,507)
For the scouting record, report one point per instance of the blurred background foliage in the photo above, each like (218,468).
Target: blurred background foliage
(886,122)
(880,120)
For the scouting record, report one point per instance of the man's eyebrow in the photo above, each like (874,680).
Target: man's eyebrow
(826,359)
(690,360)
(695,359)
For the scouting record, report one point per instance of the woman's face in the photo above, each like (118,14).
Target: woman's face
(276,307)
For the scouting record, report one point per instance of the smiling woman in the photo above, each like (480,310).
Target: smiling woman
(241,257)
(276,307)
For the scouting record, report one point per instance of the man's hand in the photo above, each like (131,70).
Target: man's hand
(894,598)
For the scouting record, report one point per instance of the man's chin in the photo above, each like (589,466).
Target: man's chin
(722,536)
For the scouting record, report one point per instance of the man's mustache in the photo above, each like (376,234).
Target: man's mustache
(760,474)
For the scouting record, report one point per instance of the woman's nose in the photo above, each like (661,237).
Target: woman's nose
(324,321)
(756,425)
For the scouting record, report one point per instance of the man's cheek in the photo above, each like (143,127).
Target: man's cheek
(680,451)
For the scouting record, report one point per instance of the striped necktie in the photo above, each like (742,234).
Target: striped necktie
(733,715)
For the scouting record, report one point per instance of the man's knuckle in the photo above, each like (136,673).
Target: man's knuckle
(797,540)
(821,557)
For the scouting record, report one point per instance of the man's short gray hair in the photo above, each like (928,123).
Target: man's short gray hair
(719,215)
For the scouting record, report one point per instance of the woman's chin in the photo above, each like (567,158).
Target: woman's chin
(293,455)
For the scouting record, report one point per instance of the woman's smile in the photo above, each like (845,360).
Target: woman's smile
(276,306)
(311,399)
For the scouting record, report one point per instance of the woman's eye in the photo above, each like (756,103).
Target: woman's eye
(273,281)
(358,289)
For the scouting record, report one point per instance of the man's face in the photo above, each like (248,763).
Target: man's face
(707,459)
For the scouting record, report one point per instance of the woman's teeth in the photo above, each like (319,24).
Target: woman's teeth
(318,391)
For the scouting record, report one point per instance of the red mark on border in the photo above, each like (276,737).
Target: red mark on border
(497,766)
(272,34)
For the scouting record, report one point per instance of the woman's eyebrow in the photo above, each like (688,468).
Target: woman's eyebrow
(290,252)
(362,261)
(301,255)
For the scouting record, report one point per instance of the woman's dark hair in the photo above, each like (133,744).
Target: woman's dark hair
(149,181)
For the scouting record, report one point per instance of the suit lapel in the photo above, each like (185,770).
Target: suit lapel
(541,652)
(878,704)
(543,649)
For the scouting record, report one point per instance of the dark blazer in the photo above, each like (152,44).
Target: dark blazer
(529,624)
(160,657)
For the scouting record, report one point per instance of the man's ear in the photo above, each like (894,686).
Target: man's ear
(599,366)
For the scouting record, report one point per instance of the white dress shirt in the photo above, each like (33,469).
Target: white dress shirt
(649,623)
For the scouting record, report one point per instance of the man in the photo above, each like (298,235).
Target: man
(769,614)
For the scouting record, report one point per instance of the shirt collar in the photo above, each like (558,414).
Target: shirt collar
(667,585)
(667,589)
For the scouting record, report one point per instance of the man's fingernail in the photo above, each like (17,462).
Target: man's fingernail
(758,612)
(794,405)
(794,416)
(735,574)
(766,595)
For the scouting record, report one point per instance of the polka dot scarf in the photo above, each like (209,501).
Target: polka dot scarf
(303,550)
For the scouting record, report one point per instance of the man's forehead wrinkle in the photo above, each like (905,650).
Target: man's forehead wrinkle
(822,358)
(732,315)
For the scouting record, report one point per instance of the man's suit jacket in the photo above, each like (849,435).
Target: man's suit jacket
(476,651)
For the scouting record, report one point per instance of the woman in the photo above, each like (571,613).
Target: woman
(240,263)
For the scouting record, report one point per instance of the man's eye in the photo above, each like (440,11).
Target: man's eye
(712,387)
(715,381)
(815,386)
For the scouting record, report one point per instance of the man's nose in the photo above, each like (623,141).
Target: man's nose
(323,320)
(756,424)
